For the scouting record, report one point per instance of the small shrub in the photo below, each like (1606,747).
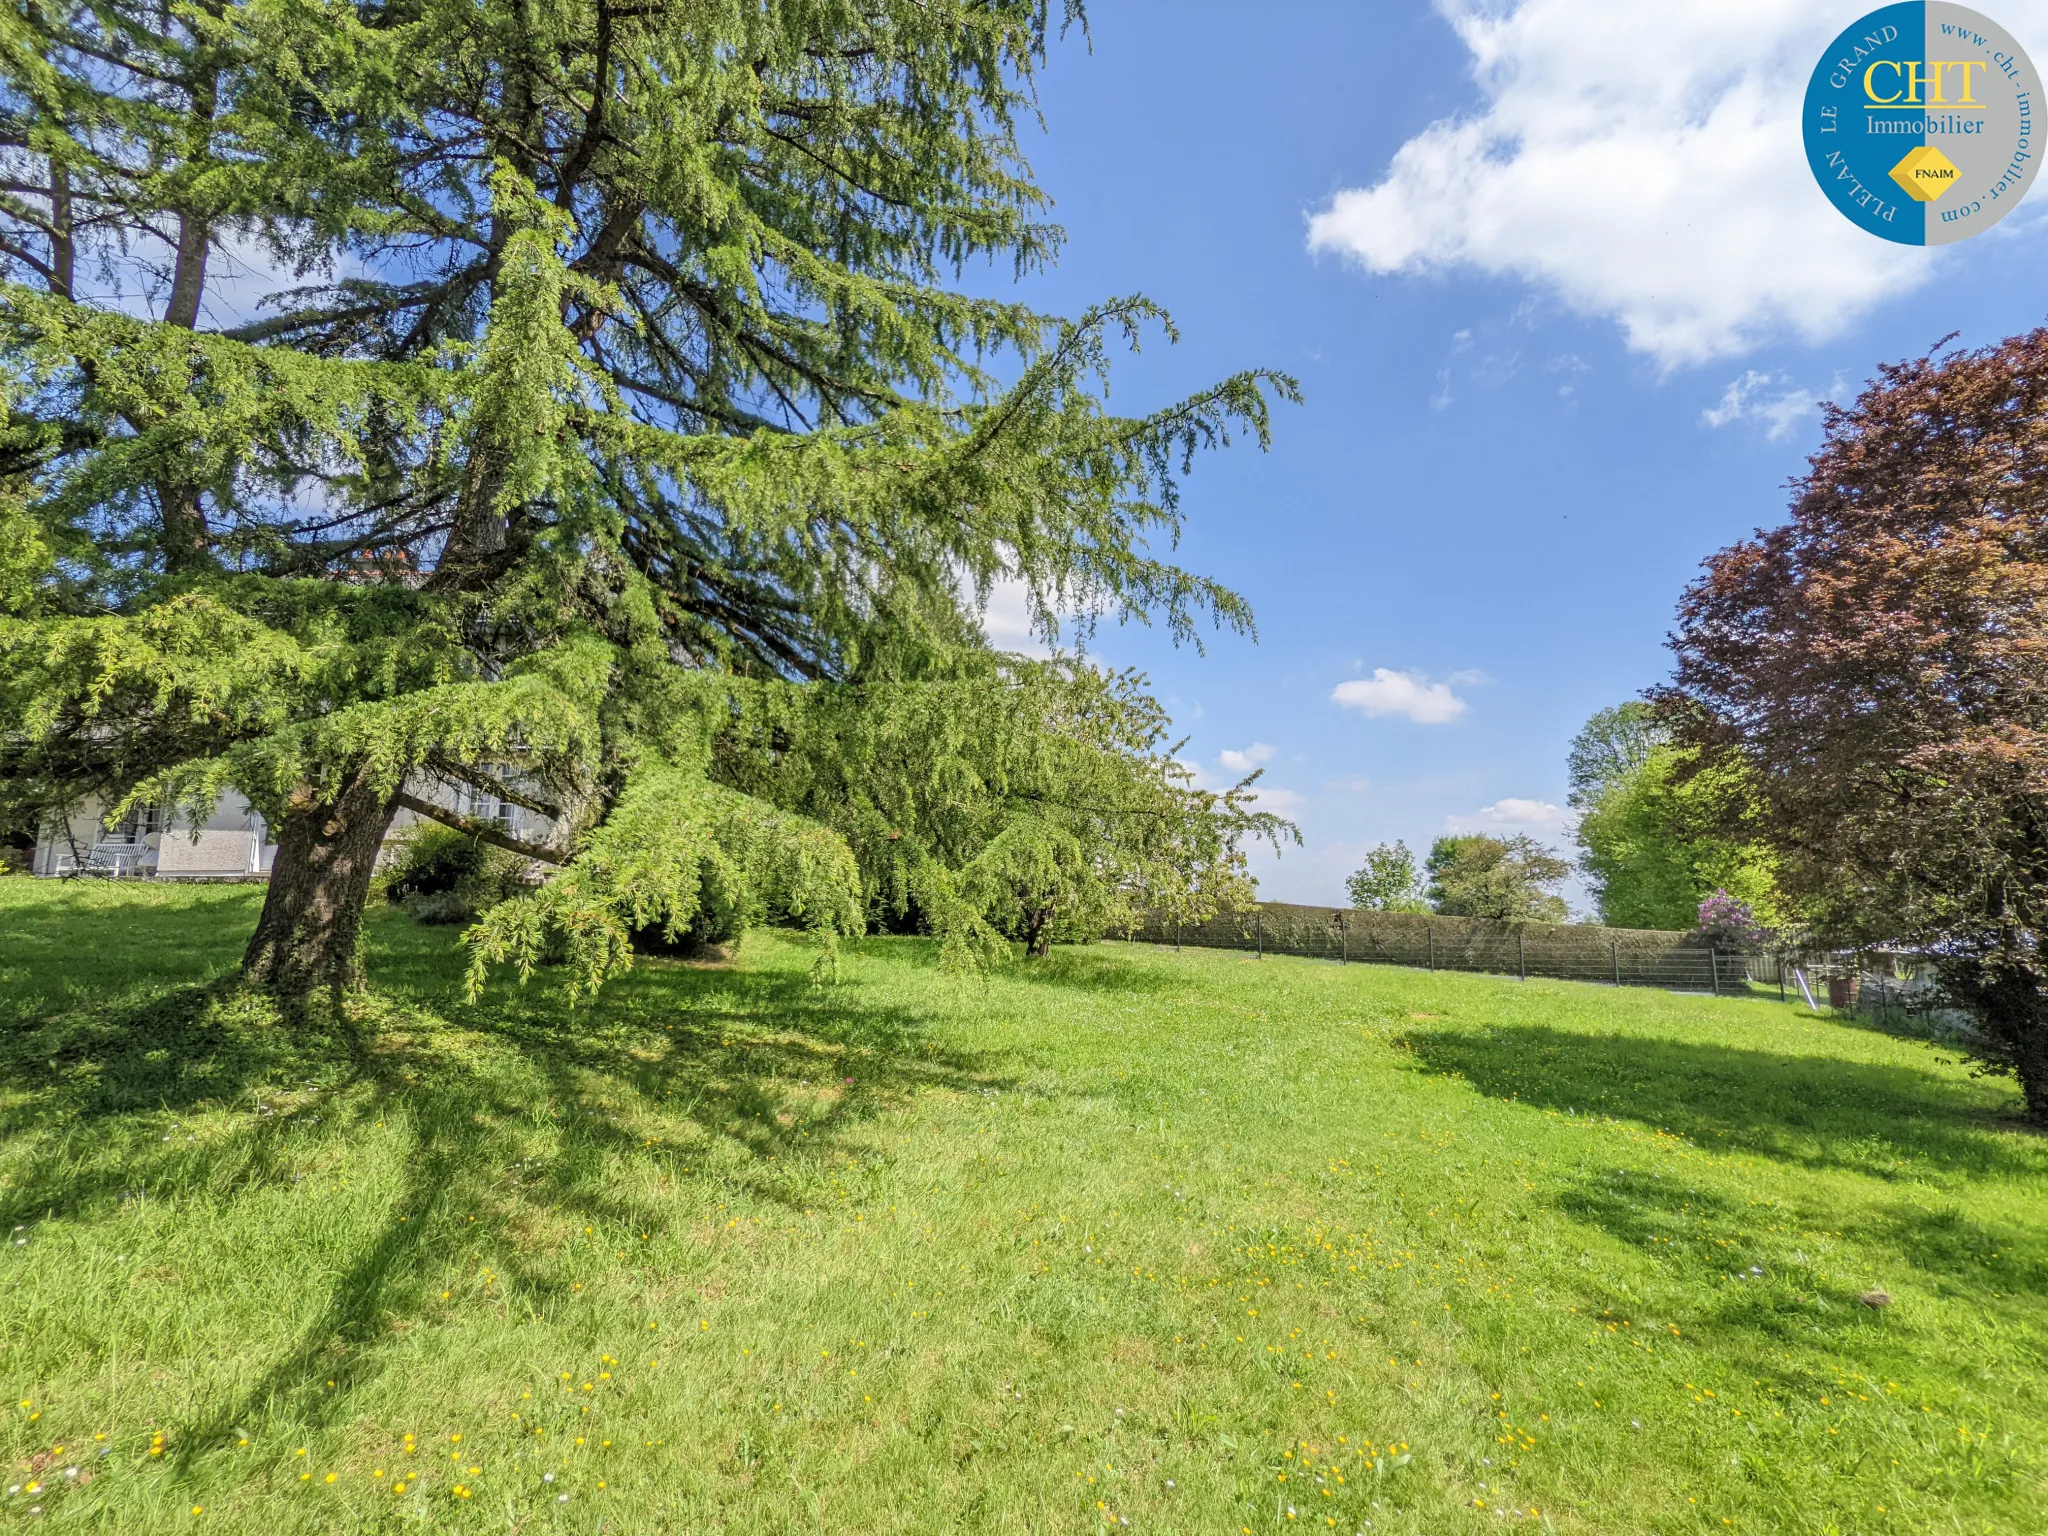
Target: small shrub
(439,907)
(1726,923)
(441,876)
(432,861)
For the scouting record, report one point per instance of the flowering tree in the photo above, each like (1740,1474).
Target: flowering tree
(1727,923)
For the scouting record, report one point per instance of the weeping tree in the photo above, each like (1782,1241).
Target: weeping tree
(1018,800)
(578,404)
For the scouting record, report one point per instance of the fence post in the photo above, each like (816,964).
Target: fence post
(1714,966)
(1522,954)
(1176,934)
(1615,945)
(1430,934)
(1344,939)
(1781,978)
(1259,927)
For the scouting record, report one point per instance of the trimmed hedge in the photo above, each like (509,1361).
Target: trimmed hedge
(1564,951)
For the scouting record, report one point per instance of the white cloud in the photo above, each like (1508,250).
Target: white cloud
(1356,784)
(1468,677)
(1264,796)
(1006,619)
(1641,162)
(1271,797)
(1400,693)
(1570,365)
(1767,399)
(1257,755)
(1512,815)
(244,271)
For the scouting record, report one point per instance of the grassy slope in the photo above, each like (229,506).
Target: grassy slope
(1184,1240)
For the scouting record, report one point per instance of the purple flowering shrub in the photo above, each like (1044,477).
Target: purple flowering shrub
(1727,923)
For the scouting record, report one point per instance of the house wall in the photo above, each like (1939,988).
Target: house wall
(232,813)
(514,820)
(54,849)
(63,841)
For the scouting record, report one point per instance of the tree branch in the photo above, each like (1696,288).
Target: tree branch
(476,778)
(482,831)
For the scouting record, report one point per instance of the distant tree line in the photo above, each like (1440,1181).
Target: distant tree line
(1509,879)
(1652,848)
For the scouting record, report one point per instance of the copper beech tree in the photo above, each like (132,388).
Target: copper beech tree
(1880,665)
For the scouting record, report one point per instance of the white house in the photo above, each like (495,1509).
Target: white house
(233,844)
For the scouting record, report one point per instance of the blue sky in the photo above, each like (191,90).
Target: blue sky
(1561,295)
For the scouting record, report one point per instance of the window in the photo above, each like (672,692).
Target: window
(485,806)
(140,822)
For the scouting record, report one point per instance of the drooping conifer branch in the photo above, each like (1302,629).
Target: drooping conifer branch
(610,432)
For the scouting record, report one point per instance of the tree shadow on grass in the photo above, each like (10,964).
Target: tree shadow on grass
(522,1116)
(1815,1112)
(1773,1311)
(123,1076)
(1968,1256)
(1090,969)
(1709,1243)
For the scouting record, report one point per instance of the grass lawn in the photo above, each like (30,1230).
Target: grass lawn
(1183,1242)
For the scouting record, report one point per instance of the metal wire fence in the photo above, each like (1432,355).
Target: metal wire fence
(1623,957)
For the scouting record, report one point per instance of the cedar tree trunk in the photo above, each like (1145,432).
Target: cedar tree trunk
(312,917)
(1038,931)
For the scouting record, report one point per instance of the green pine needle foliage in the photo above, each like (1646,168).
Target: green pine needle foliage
(677,854)
(594,421)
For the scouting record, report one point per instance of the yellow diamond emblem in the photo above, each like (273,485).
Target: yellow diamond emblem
(1925,173)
